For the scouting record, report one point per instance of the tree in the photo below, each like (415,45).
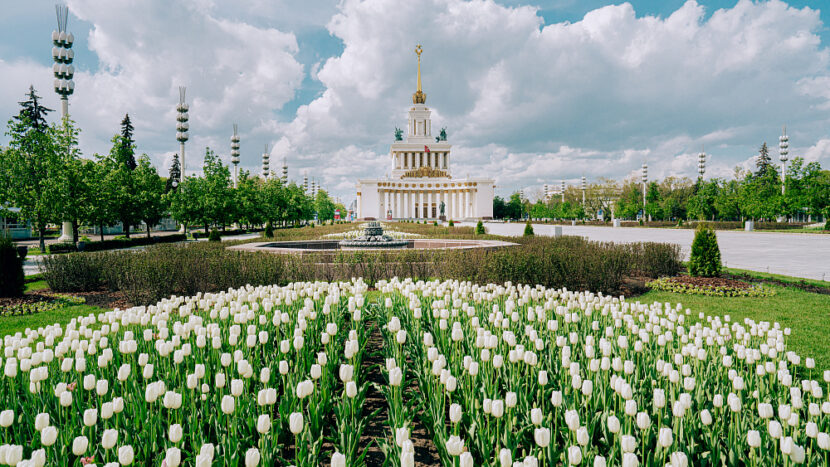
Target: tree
(630,202)
(119,185)
(701,205)
(654,201)
(127,152)
(324,206)
(499,208)
(97,209)
(763,162)
(75,190)
(12,280)
(249,196)
(149,189)
(217,204)
(528,229)
(185,201)
(30,167)
(515,207)
(704,260)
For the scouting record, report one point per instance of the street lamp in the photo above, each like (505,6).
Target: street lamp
(305,182)
(182,127)
(235,155)
(284,171)
(63,70)
(701,163)
(546,192)
(265,165)
(584,187)
(645,181)
(784,151)
(563,191)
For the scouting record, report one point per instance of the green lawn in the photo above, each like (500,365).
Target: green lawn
(777,277)
(36,286)
(807,314)
(13,324)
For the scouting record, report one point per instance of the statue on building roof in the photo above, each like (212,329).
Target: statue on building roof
(398,134)
(441,136)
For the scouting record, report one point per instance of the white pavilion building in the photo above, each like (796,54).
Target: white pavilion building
(421,176)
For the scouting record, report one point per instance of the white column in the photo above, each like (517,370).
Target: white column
(417,156)
(466,209)
(421,205)
(408,160)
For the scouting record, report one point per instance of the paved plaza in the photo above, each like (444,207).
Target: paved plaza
(791,254)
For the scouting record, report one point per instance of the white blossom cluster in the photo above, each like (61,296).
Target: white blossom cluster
(514,375)
(234,377)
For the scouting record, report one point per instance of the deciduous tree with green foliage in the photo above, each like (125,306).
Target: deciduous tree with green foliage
(149,193)
(31,167)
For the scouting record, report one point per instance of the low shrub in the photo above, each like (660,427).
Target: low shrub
(59,301)
(269,230)
(214,236)
(12,280)
(667,285)
(74,272)
(480,228)
(704,259)
(452,224)
(528,230)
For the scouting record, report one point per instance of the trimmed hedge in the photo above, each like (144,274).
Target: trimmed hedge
(146,276)
(116,243)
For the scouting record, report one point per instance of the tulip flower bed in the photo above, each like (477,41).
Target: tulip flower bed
(248,376)
(497,374)
(553,377)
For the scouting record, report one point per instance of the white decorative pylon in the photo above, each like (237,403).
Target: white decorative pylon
(784,151)
(63,70)
(265,163)
(182,127)
(235,154)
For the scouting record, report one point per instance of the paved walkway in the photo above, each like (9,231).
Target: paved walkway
(791,254)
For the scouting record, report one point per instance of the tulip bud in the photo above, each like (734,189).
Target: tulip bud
(295,422)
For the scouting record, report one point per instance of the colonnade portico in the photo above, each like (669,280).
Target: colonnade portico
(416,203)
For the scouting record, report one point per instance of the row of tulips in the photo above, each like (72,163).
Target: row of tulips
(518,375)
(252,376)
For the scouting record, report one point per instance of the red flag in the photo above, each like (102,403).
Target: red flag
(426,149)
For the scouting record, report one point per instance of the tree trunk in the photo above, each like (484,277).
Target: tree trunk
(102,231)
(75,231)
(206,230)
(148,230)
(126,227)
(41,232)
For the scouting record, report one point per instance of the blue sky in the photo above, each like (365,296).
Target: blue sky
(531,92)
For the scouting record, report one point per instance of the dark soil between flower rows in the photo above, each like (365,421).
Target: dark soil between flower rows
(710,282)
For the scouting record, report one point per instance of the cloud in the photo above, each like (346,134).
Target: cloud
(524,102)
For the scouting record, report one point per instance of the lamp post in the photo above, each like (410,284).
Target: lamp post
(546,195)
(284,171)
(584,187)
(562,190)
(63,70)
(784,151)
(645,182)
(701,164)
(182,127)
(235,155)
(305,182)
(265,164)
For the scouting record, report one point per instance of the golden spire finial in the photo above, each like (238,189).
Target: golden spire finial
(419,97)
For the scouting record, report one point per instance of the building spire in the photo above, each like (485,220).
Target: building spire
(419,97)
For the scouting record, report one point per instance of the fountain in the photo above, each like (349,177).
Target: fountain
(373,237)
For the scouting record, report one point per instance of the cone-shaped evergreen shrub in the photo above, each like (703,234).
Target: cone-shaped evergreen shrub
(269,230)
(480,228)
(452,224)
(705,257)
(214,236)
(11,269)
(528,229)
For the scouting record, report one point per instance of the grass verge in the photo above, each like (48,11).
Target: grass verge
(12,324)
(806,313)
(749,275)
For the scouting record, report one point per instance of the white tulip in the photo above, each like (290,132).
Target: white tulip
(536,416)
(173,457)
(48,436)
(613,424)
(79,445)
(109,438)
(351,389)
(125,455)
(574,455)
(338,460)
(295,421)
(455,445)
(455,413)
(90,417)
(252,457)
(665,437)
(753,438)
(505,458)
(628,443)
(263,424)
(6,418)
(175,433)
(227,405)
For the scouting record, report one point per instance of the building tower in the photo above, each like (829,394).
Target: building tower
(305,182)
(265,163)
(563,191)
(584,187)
(235,154)
(701,163)
(182,127)
(63,70)
(645,182)
(784,151)
(284,171)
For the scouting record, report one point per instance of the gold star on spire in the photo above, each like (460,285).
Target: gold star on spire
(419,97)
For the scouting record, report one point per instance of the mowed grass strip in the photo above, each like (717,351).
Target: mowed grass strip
(806,313)
(12,324)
